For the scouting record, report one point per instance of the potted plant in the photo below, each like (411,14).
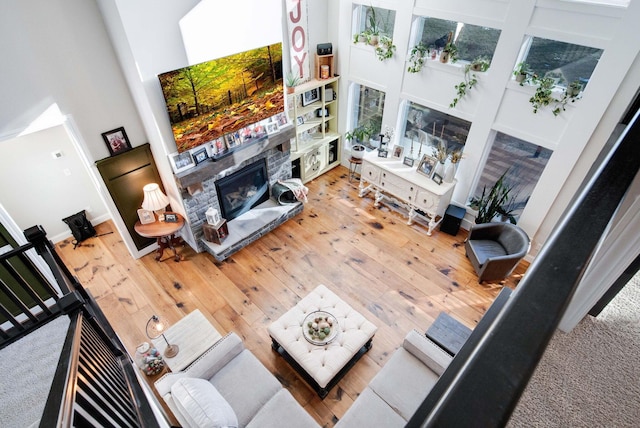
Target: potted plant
(480,64)
(291,81)
(522,73)
(373,30)
(385,48)
(544,93)
(416,57)
(574,89)
(361,134)
(450,50)
(492,203)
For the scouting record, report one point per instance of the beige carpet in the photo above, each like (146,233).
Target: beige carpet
(589,377)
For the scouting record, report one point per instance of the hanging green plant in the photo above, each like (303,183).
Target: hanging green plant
(544,95)
(480,64)
(385,48)
(417,57)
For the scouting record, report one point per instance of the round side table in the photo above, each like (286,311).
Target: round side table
(353,166)
(164,233)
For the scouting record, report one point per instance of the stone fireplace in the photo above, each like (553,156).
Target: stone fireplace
(243,190)
(252,213)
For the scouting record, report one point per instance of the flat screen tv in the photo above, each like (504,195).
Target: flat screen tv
(209,100)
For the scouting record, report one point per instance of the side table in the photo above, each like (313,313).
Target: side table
(164,233)
(193,334)
(449,333)
(353,166)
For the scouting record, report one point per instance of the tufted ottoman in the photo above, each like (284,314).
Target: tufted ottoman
(322,367)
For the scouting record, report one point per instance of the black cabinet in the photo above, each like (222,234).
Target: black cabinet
(452,218)
(125,175)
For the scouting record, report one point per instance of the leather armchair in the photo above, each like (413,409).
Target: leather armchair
(495,249)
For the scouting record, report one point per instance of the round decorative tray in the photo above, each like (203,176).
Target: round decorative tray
(320,328)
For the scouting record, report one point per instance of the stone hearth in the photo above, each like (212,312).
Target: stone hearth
(199,193)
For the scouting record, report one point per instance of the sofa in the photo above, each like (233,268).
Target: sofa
(229,387)
(395,393)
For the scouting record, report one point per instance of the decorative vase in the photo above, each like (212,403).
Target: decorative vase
(357,151)
(444,57)
(439,169)
(374,40)
(148,359)
(450,173)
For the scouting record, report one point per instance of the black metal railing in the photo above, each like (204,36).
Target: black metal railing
(485,380)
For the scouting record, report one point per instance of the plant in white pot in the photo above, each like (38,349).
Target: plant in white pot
(360,134)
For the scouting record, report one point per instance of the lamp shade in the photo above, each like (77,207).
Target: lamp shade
(154,199)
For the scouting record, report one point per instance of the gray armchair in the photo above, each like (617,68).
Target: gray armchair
(495,249)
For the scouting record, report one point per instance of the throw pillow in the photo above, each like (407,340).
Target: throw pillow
(202,405)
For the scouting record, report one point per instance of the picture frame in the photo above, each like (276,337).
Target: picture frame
(170,217)
(146,216)
(427,165)
(218,146)
(181,161)
(437,178)
(233,139)
(200,155)
(408,161)
(117,141)
(310,97)
(282,119)
(383,153)
(272,128)
(300,120)
(397,152)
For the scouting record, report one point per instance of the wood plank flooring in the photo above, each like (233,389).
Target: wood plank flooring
(394,274)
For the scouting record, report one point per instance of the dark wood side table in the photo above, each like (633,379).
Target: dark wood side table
(164,233)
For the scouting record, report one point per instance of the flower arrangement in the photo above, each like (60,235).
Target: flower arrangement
(455,156)
(440,152)
(149,359)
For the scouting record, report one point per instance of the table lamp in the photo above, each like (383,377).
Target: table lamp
(154,199)
(155,329)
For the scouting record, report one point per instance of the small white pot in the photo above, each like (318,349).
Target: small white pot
(357,151)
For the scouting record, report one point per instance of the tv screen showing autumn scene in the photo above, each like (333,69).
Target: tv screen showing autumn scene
(208,100)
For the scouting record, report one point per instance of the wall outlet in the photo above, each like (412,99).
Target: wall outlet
(57,154)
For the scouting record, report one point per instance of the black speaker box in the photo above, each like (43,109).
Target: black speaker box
(325,48)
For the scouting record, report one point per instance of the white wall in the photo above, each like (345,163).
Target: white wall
(497,103)
(48,189)
(58,52)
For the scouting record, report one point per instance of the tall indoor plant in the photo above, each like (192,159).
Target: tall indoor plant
(494,202)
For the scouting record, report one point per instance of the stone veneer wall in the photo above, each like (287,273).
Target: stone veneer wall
(278,168)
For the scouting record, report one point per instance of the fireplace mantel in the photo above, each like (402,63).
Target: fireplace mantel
(209,169)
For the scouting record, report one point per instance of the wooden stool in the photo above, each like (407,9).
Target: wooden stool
(353,166)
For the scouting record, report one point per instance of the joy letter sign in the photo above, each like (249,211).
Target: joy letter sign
(298,37)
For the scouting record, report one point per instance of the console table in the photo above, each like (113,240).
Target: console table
(390,178)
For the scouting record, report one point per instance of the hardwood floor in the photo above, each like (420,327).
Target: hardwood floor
(394,274)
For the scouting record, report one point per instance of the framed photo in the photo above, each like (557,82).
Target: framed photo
(233,139)
(300,120)
(383,153)
(282,119)
(397,152)
(310,97)
(218,146)
(272,128)
(437,178)
(117,141)
(181,161)
(408,161)
(427,165)
(200,155)
(171,217)
(146,216)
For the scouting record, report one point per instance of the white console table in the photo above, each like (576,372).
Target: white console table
(389,177)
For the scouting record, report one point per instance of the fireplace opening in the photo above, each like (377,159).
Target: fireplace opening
(243,190)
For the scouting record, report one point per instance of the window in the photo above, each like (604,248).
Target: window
(524,163)
(368,107)
(424,125)
(375,19)
(472,41)
(564,62)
